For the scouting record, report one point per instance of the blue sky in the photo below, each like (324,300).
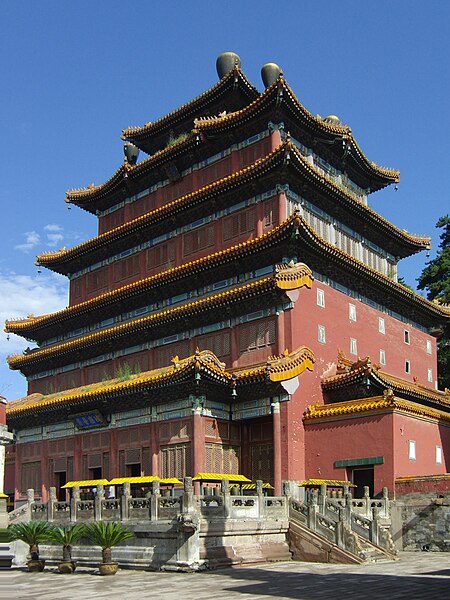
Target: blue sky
(75,73)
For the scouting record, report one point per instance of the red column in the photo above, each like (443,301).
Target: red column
(77,453)
(45,484)
(154,448)
(281,330)
(276,448)
(113,454)
(198,445)
(17,473)
(275,139)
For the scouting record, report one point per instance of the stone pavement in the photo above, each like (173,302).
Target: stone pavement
(420,576)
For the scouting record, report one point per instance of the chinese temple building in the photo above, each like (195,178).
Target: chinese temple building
(216,321)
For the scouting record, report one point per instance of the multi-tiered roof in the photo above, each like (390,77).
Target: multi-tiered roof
(230,112)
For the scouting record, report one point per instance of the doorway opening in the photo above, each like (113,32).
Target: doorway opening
(134,470)
(360,478)
(61,479)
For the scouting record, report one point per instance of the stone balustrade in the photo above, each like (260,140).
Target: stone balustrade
(155,507)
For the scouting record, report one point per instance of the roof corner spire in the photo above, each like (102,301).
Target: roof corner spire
(226,62)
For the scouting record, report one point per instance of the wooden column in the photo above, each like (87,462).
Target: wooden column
(77,454)
(45,475)
(280,332)
(276,448)
(198,444)
(154,448)
(113,454)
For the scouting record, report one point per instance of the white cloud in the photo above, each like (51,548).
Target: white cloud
(53,227)
(54,238)
(22,295)
(32,239)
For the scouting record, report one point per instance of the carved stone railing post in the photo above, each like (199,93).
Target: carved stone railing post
(187,500)
(124,505)
(386,502)
(313,509)
(154,501)
(74,503)
(188,521)
(225,492)
(30,502)
(366,500)
(340,526)
(99,497)
(51,505)
(260,494)
(322,498)
(374,525)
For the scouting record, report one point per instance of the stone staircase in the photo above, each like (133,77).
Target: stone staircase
(334,529)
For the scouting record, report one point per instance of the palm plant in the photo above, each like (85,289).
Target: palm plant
(107,535)
(66,537)
(32,533)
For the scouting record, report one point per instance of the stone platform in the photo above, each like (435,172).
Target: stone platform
(416,575)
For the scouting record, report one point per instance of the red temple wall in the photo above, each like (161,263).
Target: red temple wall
(352,438)
(427,436)
(242,345)
(307,315)
(236,160)
(163,448)
(379,435)
(238,227)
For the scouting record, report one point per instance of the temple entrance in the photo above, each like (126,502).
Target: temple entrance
(362,477)
(134,470)
(61,479)
(96,473)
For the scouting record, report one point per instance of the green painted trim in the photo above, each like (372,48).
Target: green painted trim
(360,462)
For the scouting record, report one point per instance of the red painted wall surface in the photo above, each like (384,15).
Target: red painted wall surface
(362,437)
(426,436)
(379,435)
(301,328)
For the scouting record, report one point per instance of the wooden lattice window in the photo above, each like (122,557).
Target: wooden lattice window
(221,458)
(31,477)
(164,354)
(219,343)
(96,280)
(270,213)
(146,461)
(256,335)
(262,462)
(175,460)
(198,239)
(239,224)
(162,255)
(125,268)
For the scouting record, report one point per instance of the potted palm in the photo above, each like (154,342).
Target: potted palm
(107,535)
(66,537)
(32,533)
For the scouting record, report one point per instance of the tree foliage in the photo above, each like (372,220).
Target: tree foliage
(435,280)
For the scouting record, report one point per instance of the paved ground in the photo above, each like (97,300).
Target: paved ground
(419,576)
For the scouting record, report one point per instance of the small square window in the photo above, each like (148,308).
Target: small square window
(430,375)
(320,298)
(429,347)
(406,336)
(412,450)
(352,312)
(321,334)
(382,357)
(438,455)
(381,326)
(407,366)
(353,346)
